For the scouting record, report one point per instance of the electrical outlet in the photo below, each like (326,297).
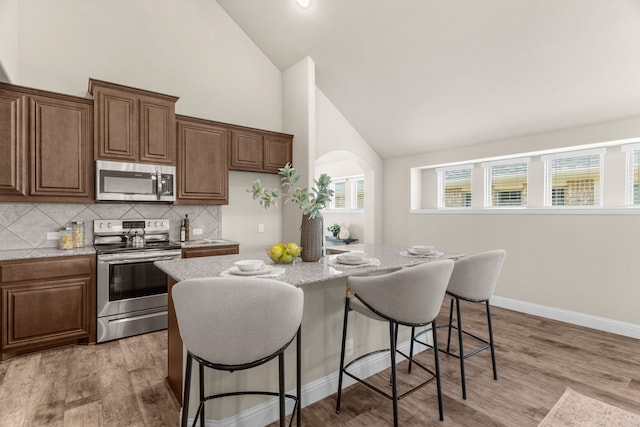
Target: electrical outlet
(349,347)
(260,228)
(53,235)
(197,231)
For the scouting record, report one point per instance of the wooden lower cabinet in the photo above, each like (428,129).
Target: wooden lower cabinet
(46,302)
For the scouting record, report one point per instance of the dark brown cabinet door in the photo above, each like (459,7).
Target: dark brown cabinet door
(259,151)
(157,143)
(277,152)
(46,303)
(133,125)
(116,120)
(60,137)
(202,162)
(13,166)
(247,151)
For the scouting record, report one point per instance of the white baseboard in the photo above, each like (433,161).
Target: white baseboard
(595,322)
(267,412)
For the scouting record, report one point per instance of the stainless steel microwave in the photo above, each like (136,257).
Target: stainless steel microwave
(120,181)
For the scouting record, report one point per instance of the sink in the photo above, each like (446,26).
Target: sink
(207,242)
(331,251)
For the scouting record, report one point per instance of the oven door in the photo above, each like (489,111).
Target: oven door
(129,282)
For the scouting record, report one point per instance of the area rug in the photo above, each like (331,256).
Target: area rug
(575,409)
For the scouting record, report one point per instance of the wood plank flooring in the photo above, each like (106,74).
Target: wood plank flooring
(118,383)
(121,383)
(537,358)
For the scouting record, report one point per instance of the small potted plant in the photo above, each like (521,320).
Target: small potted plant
(334,229)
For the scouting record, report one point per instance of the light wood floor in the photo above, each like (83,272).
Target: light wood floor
(121,383)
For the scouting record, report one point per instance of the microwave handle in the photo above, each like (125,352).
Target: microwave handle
(158,183)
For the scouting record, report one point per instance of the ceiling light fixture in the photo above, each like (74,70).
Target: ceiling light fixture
(303,3)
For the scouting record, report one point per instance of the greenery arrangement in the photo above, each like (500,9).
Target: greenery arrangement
(334,229)
(310,201)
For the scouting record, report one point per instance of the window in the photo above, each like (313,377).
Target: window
(454,186)
(339,200)
(632,196)
(357,193)
(348,193)
(506,182)
(574,178)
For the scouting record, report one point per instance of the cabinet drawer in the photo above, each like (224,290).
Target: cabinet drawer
(45,268)
(209,251)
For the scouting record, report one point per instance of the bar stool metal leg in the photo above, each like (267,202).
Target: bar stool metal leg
(299,376)
(394,385)
(281,387)
(493,350)
(201,376)
(342,351)
(437,366)
(187,389)
(461,350)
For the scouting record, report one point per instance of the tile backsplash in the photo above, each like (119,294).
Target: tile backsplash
(25,225)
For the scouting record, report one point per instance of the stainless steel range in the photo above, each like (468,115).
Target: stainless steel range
(131,291)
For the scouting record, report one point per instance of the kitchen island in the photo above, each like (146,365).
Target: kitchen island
(324,284)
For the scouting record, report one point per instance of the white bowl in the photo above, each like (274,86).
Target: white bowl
(422,249)
(249,264)
(353,255)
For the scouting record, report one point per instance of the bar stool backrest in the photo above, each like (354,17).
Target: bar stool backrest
(411,295)
(236,320)
(475,277)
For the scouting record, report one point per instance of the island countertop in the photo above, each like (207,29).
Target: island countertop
(299,273)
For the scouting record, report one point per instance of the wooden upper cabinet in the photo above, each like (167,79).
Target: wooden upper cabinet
(277,152)
(46,149)
(259,151)
(247,151)
(133,125)
(202,162)
(60,132)
(13,167)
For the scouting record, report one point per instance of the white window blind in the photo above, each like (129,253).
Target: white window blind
(454,186)
(574,178)
(339,200)
(357,199)
(632,193)
(506,182)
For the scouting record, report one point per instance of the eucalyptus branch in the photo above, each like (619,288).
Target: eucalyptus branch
(311,202)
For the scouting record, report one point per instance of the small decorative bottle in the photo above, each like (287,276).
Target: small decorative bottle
(186,228)
(182,231)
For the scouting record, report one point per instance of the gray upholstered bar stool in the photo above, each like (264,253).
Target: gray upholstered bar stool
(410,296)
(474,279)
(236,323)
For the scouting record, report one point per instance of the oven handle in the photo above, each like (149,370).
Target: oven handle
(114,261)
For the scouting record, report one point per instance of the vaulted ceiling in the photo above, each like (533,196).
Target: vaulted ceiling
(418,75)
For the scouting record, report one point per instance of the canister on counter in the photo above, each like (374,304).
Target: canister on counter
(78,234)
(66,238)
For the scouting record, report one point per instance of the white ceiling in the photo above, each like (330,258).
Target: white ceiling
(418,75)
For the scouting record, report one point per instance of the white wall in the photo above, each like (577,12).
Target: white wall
(8,40)
(191,49)
(583,263)
(335,135)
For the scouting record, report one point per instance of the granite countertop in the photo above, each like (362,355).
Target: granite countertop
(203,243)
(15,254)
(298,274)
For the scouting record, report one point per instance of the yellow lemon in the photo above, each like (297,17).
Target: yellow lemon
(293,249)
